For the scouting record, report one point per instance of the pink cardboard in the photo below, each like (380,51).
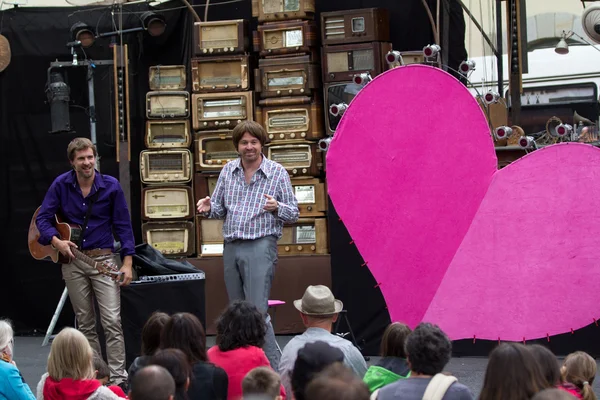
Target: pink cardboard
(413,174)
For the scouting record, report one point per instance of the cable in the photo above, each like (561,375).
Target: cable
(206,10)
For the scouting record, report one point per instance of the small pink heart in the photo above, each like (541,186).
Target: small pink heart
(412,171)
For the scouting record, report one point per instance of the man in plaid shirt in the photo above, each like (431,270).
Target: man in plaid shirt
(255,197)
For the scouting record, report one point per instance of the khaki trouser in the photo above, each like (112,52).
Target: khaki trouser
(84,283)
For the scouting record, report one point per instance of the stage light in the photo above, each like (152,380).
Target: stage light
(362,79)
(83,33)
(154,23)
(502,132)
(563,130)
(324,144)
(491,97)
(431,50)
(466,67)
(527,142)
(338,109)
(393,56)
(58,93)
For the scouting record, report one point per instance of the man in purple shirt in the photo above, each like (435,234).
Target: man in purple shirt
(70,195)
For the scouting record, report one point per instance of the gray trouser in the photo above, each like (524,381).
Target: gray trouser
(249,266)
(85,283)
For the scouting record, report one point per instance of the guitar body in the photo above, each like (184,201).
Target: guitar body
(65,230)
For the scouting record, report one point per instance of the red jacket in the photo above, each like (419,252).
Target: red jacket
(237,363)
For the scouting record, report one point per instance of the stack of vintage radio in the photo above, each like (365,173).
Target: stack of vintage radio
(291,110)
(166,165)
(221,98)
(355,45)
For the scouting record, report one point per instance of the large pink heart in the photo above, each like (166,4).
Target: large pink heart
(513,254)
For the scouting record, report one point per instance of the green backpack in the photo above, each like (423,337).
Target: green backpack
(378,377)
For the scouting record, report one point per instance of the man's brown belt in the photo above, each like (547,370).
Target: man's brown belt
(97,252)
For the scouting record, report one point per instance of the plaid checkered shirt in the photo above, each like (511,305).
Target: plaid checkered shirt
(241,204)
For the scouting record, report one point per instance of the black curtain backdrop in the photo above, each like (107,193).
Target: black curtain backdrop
(31,157)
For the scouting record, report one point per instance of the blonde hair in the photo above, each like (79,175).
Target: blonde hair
(79,144)
(70,356)
(6,336)
(261,381)
(579,368)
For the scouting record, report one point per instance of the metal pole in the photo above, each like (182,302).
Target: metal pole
(59,308)
(92,108)
(499,57)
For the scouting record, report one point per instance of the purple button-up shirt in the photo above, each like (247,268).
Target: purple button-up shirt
(108,212)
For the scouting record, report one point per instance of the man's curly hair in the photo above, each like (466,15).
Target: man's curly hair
(428,349)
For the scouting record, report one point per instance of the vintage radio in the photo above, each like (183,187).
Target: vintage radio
(214,151)
(282,10)
(220,74)
(168,134)
(287,76)
(167,202)
(311,196)
(167,77)
(166,166)
(306,236)
(355,26)
(209,237)
(338,93)
(220,37)
(341,63)
(221,110)
(298,158)
(167,105)
(294,37)
(304,121)
(204,184)
(173,239)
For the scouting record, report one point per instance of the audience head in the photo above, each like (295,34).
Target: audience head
(579,368)
(312,359)
(184,331)
(553,394)
(178,365)
(318,306)
(548,364)
(394,339)
(6,340)
(70,356)
(152,331)
(428,349)
(240,325)
(261,382)
(512,373)
(152,383)
(101,370)
(337,382)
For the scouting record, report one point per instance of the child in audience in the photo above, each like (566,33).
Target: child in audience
(150,342)
(263,382)
(579,368)
(103,374)
(553,394)
(393,365)
(337,382)
(551,369)
(176,362)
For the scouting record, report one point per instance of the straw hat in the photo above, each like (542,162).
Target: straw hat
(4,53)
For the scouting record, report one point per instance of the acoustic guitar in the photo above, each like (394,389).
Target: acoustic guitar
(66,231)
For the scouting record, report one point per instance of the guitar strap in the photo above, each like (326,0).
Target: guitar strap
(91,202)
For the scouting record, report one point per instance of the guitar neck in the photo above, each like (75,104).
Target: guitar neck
(82,257)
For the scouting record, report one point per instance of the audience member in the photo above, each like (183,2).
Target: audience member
(512,373)
(428,350)
(579,368)
(178,365)
(319,310)
(240,337)
(102,374)
(152,382)
(12,384)
(393,365)
(184,331)
(312,359)
(263,382)
(150,342)
(337,382)
(551,369)
(553,394)
(70,372)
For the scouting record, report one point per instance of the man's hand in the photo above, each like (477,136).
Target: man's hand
(203,205)
(64,246)
(271,204)
(127,271)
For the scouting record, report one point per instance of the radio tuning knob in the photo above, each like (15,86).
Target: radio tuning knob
(214,87)
(287,248)
(225,49)
(226,86)
(304,170)
(313,248)
(216,123)
(219,161)
(270,50)
(211,50)
(332,75)
(299,248)
(292,135)
(303,134)
(209,162)
(290,91)
(309,208)
(282,135)
(205,123)
(301,90)
(239,121)
(294,171)
(271,136)
(279,92)
(227,122)
(204,50)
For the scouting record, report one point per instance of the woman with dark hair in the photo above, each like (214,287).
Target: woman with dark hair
(512,373)
(240,335)
(184,331)
(393,365)
(551,369)
(150,342)
(176,362)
